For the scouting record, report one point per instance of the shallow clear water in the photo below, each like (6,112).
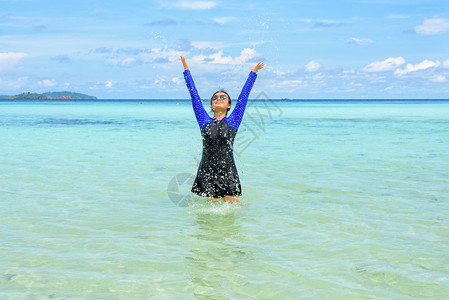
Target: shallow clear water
(341,200)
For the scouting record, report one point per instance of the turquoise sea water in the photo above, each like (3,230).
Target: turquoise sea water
(341,200)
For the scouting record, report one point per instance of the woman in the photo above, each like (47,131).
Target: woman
(217,175)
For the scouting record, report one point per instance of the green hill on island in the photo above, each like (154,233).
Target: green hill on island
(48,96)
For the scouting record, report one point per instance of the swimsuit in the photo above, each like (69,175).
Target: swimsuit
(217,174)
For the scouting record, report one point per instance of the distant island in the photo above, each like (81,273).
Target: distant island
(48,96)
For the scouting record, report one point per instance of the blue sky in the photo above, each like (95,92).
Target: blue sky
(312,49)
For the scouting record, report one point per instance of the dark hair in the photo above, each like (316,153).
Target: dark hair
(221,91)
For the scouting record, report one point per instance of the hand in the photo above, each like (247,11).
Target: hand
(258,67)
(184,63)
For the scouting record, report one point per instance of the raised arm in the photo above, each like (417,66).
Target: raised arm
(257,67)
(184,63)
(200,113)
(237,114)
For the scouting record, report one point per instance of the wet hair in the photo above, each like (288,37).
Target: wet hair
(221,91)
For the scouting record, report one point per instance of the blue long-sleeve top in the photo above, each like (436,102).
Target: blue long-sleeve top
(235,118)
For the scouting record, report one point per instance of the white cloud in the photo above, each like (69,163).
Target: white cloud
(18,83)
(291,83)
(287,85)
(223,20)
(356,84)
(312,66)
(279,73)
(47,82)
(196,5)
(218,58)
(446,64)
(360,41)
(439,78)
(10,59)
(108,84)
(129,62)
(162,55)
(245,55)
(205,45)
(387,65)
(327,23)
(426,64)
(432,26)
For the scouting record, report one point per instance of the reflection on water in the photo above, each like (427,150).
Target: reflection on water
(216,257)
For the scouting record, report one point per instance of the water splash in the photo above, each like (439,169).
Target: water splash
(199,205)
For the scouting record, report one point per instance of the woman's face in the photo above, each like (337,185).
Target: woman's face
(220,100)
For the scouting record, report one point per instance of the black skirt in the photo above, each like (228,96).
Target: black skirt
(217,174)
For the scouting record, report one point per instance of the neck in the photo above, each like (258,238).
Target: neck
(219,114)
